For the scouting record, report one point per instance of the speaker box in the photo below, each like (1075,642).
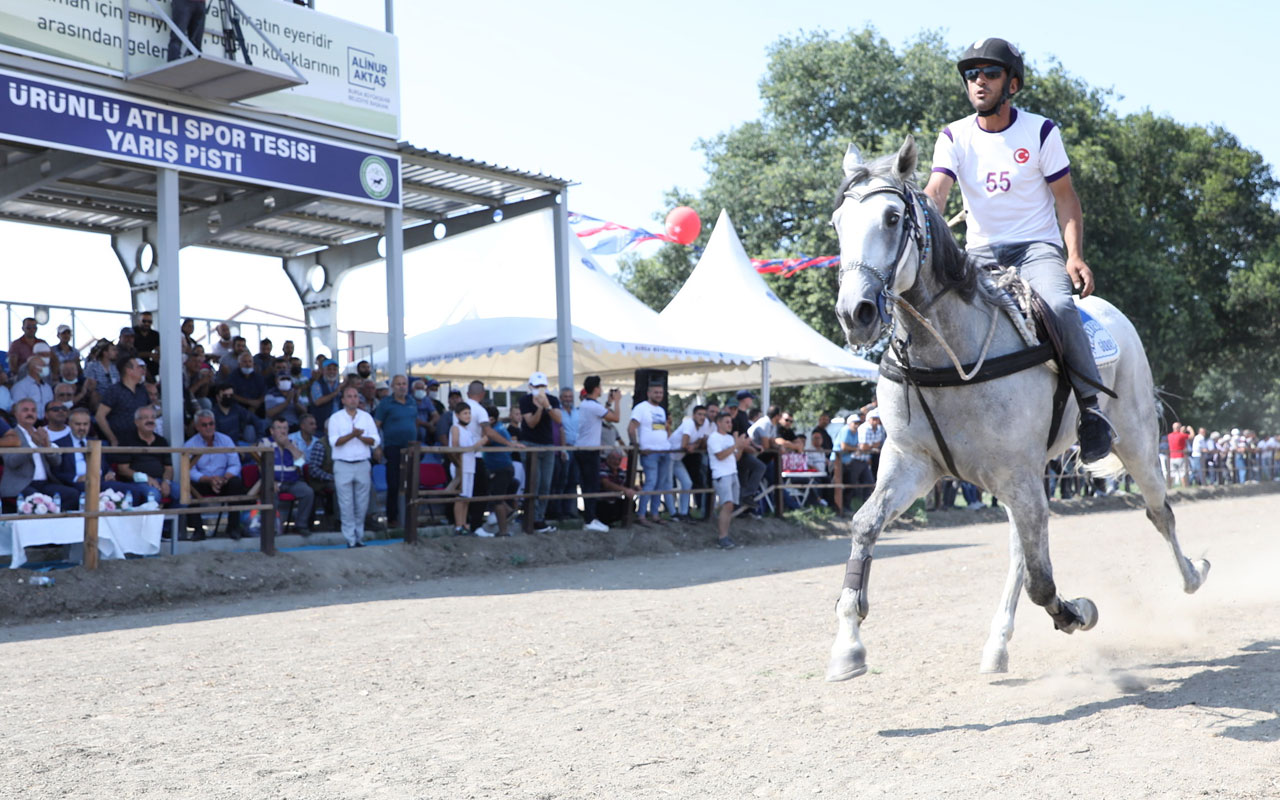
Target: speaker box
(645,377)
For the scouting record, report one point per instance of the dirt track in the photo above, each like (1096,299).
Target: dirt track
(686,676)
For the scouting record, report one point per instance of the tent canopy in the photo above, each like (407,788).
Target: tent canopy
(494,314)
(761,325)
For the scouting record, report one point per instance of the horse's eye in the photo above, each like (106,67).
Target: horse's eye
(891,218)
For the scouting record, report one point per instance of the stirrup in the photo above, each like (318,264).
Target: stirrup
(1111,434)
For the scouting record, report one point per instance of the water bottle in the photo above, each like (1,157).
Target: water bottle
(82,502)
(128,501)
(40,580)
(57,503)
(20,499)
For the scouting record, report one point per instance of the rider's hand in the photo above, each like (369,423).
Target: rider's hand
(1080,274)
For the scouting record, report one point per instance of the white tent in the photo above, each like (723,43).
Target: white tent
(726,304)
(493,314)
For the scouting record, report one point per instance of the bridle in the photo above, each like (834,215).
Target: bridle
(913,230)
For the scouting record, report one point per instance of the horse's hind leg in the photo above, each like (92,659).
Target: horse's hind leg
(1029,511)
(900,482)
(1140,459)
(995,654)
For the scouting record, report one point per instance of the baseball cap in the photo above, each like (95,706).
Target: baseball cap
(745,393)
(64,328)
(538,379)
(329,361)
(126,331)
(40,348)
(873,414)
(432,382)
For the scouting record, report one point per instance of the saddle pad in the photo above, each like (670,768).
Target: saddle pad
(1101,342)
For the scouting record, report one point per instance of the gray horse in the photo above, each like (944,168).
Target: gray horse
(900,265)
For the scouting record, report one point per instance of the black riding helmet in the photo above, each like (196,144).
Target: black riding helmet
(994,51)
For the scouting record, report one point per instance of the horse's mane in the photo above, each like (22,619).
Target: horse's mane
(952,268)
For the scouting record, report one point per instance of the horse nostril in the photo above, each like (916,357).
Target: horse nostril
(865,313)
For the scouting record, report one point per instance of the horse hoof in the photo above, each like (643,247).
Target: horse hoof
(994,662)
(1201,569)
(848,664)
(1087,611)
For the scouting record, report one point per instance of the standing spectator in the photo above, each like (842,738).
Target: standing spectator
(264,363)
(125,344)
(445,422)
(1197,457)
(871,440)
(289,461)
(649,429)
(283,400)
(34,384)
(101,366)
(326,389)
(214,474)
(697,464)
(612,478)
(461,437)
(750,468)
(502,475)
(566,477)
(763,434)
(224,347)
(824,422)
(397,419)
(1178,455)
(22,347)
(1267,456)
(364,370)
(249,389)
(724,448)
(687,440)
(120,401)
(591,418)
(427,416)
(153,472)
(64,351)
(538,410)
(352,437)
(25,473)
(855,461)
(1239,454)
(147,342)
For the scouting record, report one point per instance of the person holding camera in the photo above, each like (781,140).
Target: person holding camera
(592,415)
(538,409)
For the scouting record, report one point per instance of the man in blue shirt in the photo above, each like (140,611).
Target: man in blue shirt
(326,391)
(397,418)
(856,461)
(214,474)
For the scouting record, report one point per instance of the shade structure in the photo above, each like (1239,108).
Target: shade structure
(492,301)
(725,284)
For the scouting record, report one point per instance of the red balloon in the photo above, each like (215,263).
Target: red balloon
(683,224)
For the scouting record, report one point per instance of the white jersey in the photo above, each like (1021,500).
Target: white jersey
(1004,177)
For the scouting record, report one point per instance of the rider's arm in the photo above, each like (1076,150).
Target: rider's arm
(938,188)
(1071,219)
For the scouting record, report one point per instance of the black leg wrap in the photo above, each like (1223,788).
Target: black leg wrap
(855,578)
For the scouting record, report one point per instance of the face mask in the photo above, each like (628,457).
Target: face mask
(420,394)
(68,403)
(44,372)
(284,384)
(225,400)
(69,382)
(247,370)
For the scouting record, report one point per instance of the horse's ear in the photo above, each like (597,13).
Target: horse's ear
(907,154)
(852,159)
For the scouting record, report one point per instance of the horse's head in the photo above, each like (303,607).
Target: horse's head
(881,221)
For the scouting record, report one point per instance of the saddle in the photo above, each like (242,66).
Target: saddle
(1026,310)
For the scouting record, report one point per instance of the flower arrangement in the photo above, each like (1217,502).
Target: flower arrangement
(110,500)
(37,504)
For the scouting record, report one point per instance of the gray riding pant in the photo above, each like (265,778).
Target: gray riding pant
(1044,266)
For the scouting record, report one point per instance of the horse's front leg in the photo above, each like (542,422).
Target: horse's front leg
(1029,511)
(995,655)
(901,480)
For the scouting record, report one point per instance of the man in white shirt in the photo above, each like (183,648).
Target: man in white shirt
(649,429)
(28,473)
(689,439)
(55,418)
(352,437)
(1197,457)
(724,448)
(1014,173)
(592,414)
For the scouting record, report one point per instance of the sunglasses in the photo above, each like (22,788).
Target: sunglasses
(991,72)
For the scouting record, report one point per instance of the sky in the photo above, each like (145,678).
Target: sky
(615,97)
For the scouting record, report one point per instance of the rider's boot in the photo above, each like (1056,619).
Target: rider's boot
(1094,431)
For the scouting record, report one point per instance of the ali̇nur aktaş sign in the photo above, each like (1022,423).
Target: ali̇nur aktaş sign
(54,114)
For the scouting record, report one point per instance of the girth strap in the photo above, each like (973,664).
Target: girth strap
(997,367)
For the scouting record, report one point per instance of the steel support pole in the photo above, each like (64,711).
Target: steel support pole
(395,291)
(391,16)
(764,385)
(564,312)
(168,316)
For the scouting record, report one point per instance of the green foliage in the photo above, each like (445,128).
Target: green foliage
(1180,226)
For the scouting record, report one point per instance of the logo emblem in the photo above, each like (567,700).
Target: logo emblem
(375,177)
(1021,155)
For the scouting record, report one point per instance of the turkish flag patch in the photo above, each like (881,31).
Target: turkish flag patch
(1021,155)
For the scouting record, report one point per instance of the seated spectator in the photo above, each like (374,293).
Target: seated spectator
(100,368)
(816,457)
(120,401)
(152,472)
(73,468)
(34,384)
(326,389)
(319,467)
(65,351)
(284,400)
(125,344)
(223,345)
(6,399)
(249,389)
(214,474)
(824,422)
(188,342)
(613,478)
(71,378)
(22,347)
(289,461)
(147,342)
(9,436)
(55,421)
(29,473)
(264,363)
(231,418)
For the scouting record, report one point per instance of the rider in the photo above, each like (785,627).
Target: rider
(1013,171)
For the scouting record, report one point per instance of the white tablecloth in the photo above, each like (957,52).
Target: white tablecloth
(139,535)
